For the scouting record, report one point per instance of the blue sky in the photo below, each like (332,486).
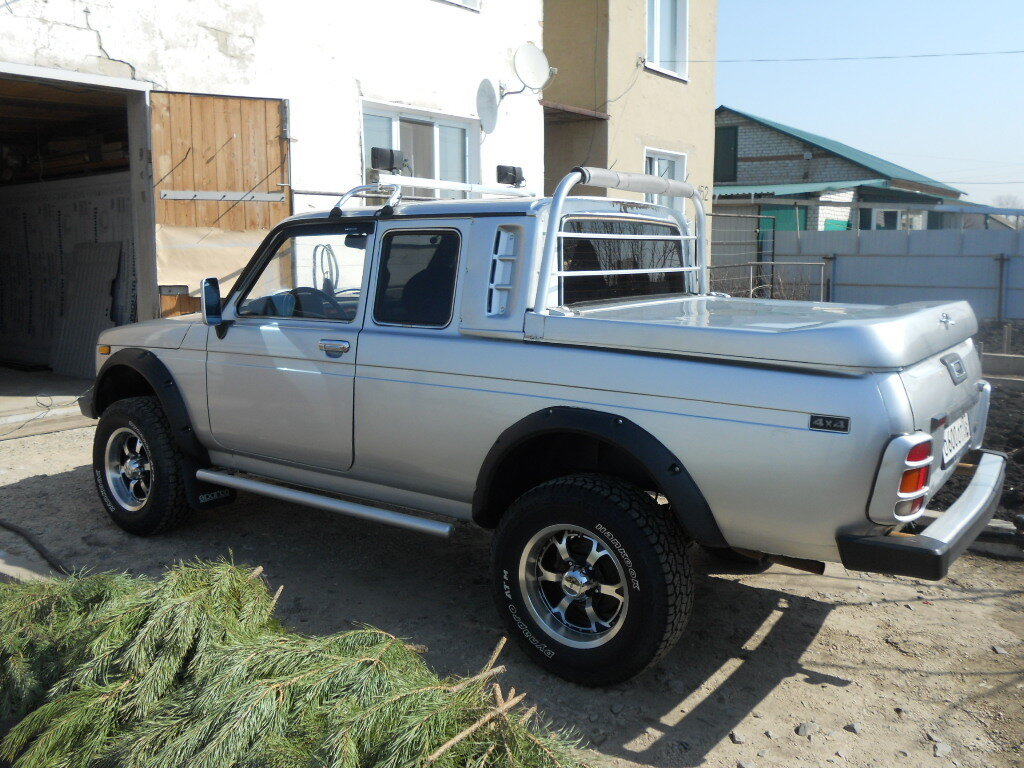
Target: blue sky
(957,120)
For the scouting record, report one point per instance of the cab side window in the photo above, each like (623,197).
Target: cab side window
(316,274)
(416,282)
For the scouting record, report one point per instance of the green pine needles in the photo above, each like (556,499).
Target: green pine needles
(114,671)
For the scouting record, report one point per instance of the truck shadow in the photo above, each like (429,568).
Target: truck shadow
(743,640)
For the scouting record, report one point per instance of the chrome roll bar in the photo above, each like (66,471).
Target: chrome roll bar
(631,182)
(393,191)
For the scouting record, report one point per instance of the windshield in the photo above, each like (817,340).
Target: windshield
(612,249)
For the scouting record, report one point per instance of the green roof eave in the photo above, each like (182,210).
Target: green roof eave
(729,190)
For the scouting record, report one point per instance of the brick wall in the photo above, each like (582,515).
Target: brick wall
(786,160)
(817,216)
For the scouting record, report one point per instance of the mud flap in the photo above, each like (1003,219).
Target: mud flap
(200,494)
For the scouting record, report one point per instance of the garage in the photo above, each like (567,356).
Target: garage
(69,264)
(115,201)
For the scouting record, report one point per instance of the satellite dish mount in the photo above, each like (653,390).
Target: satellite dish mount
(532,68)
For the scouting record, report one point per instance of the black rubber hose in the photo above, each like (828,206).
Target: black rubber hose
(44,553)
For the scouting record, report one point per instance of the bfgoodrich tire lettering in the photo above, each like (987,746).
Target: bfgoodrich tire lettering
(137,469)
(592,578)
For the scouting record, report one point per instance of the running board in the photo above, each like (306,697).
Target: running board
(329,503)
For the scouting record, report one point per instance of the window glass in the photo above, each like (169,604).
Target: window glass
(417,142)
(376,133)
(591,254)
(668,25)
(452,148)
(433,150)
(667,31)
(668,167)
(416,282)
(313,275)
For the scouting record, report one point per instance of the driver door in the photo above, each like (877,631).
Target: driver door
(280,378)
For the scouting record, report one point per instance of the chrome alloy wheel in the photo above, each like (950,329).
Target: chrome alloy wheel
(575,586)
(129,469)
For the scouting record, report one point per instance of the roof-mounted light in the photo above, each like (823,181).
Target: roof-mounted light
(511,175)
(384,159)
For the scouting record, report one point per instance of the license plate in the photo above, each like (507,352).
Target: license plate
(956,436)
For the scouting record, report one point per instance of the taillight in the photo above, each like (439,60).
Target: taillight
(920,452)
(901,485)
(914,481)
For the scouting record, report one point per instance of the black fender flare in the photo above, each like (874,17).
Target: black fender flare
(201,495)
(159,378)
(691,508)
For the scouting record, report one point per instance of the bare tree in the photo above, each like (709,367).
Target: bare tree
(1010,201)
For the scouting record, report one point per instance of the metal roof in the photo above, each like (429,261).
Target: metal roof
(876,164)
(726,190)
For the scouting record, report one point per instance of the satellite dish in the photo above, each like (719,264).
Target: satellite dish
(532,67)
(487,105)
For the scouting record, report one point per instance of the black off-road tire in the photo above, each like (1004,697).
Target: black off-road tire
(631,527)
(740,560)
(165,505)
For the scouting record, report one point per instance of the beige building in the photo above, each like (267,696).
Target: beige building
(635,89)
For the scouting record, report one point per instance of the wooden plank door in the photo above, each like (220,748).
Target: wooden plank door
(223,144)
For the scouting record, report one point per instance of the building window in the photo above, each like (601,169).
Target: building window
(668,165)
(668,36)
(726,145)
(434,147)
(881,218)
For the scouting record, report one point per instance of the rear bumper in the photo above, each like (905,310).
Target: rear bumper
(928,554)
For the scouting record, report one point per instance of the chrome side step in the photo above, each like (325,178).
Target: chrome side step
(329,503)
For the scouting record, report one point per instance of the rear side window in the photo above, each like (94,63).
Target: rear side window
(613,249)
(416,281)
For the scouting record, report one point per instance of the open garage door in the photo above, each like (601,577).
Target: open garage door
(67,251)
(221,175)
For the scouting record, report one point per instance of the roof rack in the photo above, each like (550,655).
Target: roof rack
(632,182)
(392,184)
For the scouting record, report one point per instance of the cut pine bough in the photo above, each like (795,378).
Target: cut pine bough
(192,669)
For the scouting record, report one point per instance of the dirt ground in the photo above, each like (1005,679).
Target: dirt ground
(922,668)
(991,335)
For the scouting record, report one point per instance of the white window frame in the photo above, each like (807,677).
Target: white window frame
(653,153)
(437,119)
(682,54)
(902,219)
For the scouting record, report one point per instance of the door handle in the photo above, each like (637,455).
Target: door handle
(334,347)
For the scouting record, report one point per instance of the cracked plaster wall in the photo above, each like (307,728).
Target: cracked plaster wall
(325,56)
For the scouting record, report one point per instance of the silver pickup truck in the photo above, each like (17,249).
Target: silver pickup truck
(557,370)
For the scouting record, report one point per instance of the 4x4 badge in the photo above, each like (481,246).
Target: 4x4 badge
(829,423)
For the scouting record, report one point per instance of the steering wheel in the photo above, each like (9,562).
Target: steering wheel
(328,305)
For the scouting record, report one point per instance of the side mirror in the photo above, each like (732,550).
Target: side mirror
(209,292)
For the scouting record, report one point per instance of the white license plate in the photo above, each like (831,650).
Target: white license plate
(956,436)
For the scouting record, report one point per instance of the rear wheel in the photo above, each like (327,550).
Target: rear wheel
(137,468)
(591,578)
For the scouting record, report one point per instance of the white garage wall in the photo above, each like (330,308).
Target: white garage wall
(325,56)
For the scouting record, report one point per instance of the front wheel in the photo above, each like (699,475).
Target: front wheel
(592,578)
(137,468)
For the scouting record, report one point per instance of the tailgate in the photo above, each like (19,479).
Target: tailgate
(942,389)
